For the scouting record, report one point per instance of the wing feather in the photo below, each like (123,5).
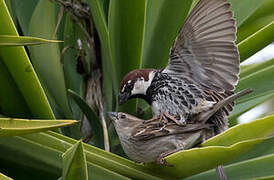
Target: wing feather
(205,48)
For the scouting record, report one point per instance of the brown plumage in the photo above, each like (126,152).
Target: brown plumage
(148,141)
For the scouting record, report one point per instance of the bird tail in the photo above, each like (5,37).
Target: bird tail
(220,172)
(204,116)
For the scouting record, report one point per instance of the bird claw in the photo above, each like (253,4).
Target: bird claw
(165,116)
(87,138)
(151,120)
(161,161)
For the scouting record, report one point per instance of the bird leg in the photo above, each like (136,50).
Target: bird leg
(167,116)
(88,138)
(160,159)
(151,120)
(164,117)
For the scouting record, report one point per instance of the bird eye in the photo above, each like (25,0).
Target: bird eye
(129,86)
(123,116)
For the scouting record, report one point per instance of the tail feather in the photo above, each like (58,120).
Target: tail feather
(204,116)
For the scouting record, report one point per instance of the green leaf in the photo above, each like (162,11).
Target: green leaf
(23,11)
(249,69)
(95,122)
(259,128)
(243,9)
(3,177)
(50,145)
(110,161)
(196,160)
(264,178)
(256,41)
(259,19)
(126,38)
(264,148)
(46,58)
(11,97)
(260,81)
(253,168)
(19,78)
(259,78)
(110,87)
(244,106)
(71,53)
(74,163)
(15,127)
(8,40)
(98,172)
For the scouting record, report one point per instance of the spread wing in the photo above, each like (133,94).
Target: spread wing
(205,48)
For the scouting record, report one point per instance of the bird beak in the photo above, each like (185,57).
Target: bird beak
(123,97)
(113,115)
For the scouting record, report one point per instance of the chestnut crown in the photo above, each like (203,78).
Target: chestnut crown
(134,83)
(133,76)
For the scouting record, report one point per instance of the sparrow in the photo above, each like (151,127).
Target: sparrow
(202,70)
(152,140)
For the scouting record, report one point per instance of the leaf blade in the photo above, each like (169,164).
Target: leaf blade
(15,127)
(92,117)
(8,40)
(256,41)
(22,72)
(74,163)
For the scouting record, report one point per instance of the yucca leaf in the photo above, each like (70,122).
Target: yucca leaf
(110,87)
(260,81)
(98,137)
(71,54)
(242,11)
(8,40)
(249,69)
(19,82)
(46,58)
(256,41)
(246,105)
(249,169)
(259,128)
(15,127)
(264,148)
(74,163)
(259,19)
(23,11)
(3,177)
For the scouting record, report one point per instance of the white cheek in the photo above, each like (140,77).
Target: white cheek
(139,87)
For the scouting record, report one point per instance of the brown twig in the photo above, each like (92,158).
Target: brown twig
(60,16)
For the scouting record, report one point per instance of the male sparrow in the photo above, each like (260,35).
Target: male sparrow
(202,69)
